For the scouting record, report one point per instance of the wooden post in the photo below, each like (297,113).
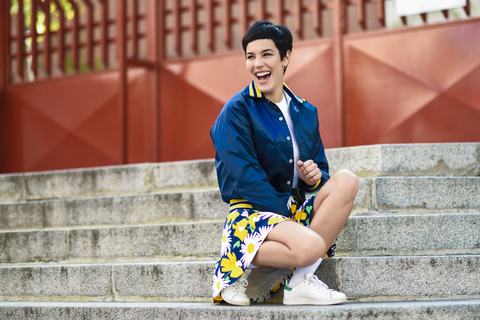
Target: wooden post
(338,31)
(154,53)
(122,70)
(4,66)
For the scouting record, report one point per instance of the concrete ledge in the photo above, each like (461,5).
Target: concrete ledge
(435,159)
(362,236)
(447,159)
(429,194)
(89,282)
(114,210)
(404,278)
(439,310)
(362,279)
(183,239)
(114,180)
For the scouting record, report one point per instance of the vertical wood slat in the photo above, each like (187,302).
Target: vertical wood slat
(226,24)
(162,50)
(33,37)
(467,8)
(45,7)
(261,10)
(244,16)
(89,40)
(122,69)
(193,26)
(317,17)
(8,51)
(210,27)
(104,33)
(177,31)
(424,17)
(361,13)
(299,18)
(61,37)
(339,27)
(74,35)
(381,12)
(280,11)
(134,22)
(20,41)
(5,30)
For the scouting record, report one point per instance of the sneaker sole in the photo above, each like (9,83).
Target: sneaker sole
(301,301)
(236,303)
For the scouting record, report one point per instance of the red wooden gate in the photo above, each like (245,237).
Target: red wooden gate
(142,80)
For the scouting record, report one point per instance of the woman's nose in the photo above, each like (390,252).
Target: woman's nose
(258,62)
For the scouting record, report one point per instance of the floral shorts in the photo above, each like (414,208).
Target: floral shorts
(244,231)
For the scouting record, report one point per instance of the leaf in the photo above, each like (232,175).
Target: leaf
(237,244)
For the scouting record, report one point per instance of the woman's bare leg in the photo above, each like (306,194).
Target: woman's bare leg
(291,245)
(333,205)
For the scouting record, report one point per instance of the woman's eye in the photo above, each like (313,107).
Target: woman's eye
(249,57)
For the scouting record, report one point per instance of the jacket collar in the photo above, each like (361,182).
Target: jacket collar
(254,92)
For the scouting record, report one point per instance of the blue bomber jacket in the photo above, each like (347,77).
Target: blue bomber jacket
(254,150)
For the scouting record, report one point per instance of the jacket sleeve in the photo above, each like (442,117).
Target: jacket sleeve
(233,141)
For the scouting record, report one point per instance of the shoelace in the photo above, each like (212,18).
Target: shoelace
(319,283)
(241,284)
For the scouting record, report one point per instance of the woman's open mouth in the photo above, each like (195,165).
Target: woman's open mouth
(263,76)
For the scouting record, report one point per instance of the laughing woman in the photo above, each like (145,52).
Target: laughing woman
(285,209)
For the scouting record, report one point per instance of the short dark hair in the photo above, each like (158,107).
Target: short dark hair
(280,35)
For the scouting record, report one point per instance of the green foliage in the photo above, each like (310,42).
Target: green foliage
(55,13)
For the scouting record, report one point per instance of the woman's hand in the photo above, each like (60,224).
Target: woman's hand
(308,171)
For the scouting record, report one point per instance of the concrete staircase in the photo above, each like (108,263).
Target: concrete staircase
(140,241)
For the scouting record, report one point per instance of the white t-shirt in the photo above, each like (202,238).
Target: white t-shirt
(284,106)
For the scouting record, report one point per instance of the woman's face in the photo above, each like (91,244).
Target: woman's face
(266,68)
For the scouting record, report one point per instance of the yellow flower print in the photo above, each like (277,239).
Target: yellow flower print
(230,264)
(293,208)
(300,215)
(274,220)
(240,231)
(232,216)
(252,219)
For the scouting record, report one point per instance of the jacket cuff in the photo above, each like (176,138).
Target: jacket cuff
(308,188)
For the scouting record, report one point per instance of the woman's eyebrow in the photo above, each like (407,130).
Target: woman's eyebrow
(265,50)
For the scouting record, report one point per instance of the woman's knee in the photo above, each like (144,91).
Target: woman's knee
(347,182)
(309,250)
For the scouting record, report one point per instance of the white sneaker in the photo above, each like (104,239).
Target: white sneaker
(235,293)
(312,291)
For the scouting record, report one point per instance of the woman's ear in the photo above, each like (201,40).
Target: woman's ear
(286,59)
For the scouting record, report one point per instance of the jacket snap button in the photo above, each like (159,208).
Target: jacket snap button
(281,118)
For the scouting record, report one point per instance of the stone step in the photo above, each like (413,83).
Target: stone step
(113,180)
(373,279)
(418,195)
(114,210)
(438,234)
(376,196)
(448,159)
(438,310)
(431,159)
(363,279)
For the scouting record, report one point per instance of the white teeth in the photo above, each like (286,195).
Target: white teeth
(261,74)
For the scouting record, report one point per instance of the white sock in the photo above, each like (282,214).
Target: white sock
(299,274)
(251,266)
